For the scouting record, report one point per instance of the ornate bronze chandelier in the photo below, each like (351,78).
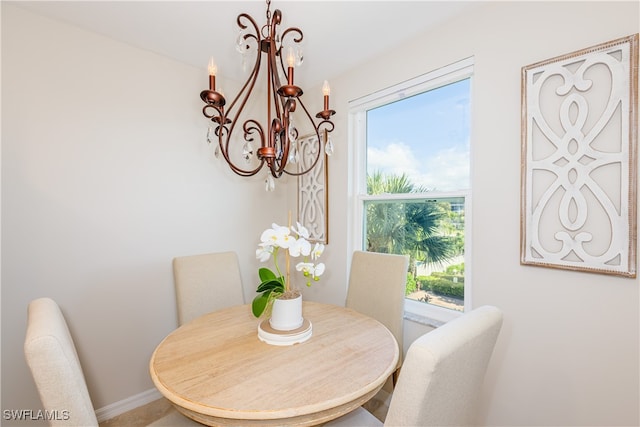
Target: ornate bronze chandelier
(277,142)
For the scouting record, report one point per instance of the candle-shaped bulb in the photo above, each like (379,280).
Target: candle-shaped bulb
(213,68)
(326,90)
(291,57)
(291,60)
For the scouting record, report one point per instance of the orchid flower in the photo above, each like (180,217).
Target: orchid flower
(277,236)
(302,231)
(318,249)
(305,267)
(310,270)
(300,247)
(317,272)
(263,253)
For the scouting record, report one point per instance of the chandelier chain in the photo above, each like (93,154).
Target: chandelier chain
(268,12)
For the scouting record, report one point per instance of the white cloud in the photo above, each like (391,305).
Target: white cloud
(396,158)
(447,169)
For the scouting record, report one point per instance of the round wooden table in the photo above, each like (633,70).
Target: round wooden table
(216,371)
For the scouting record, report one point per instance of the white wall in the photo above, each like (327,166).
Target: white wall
(569,350)
(106,176)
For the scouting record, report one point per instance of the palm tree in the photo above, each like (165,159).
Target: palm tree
(385,220)
(414,227)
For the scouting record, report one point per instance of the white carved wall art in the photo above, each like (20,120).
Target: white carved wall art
(312,190)
(579,160)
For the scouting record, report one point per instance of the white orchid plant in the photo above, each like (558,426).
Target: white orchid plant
(294,242)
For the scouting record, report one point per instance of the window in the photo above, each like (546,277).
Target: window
(412,187)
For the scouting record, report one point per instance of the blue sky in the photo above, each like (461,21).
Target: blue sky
(425,136)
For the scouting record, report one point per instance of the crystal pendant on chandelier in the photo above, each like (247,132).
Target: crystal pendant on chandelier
(243,48)
(293,154)
(269,183)
(247,151)
(328,146)
(241,44)
(244,63)
(293,143)
(293,134)
(210,140)
(278,40)
(299,57)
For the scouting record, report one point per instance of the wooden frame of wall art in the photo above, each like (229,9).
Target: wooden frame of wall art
(313,189)
(579,160)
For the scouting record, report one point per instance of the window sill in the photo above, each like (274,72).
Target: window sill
(433,313)
(423,320)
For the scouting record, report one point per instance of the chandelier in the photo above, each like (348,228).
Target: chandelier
(277,141)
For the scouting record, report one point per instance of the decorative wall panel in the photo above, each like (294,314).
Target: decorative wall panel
(313,190)
(579,160)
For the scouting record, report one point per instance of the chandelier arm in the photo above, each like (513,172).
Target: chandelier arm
(275,21)
(317,128)
(289,107)
(242,97)
(251,80)
(210,116)
(225,154)
(271,153)
(253,126)
(329,125)
(244,27)
(274,51)
(221,130)
(278,100)
(248,129)
(247,87)
(275,173)
(315,161)
(293,30)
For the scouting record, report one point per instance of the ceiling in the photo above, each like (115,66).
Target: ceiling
(338,35)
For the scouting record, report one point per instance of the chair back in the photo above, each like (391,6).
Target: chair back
(53,361)
(377,288)
(205,283)
(442,375)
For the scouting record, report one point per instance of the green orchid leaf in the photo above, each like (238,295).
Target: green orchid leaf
(270,285)
(265,274)
(259,304)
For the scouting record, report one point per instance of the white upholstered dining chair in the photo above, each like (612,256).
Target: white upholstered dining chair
(442,376)
(205,283)
(52,358)
(377,288)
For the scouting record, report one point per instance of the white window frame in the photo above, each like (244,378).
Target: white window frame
(358,187)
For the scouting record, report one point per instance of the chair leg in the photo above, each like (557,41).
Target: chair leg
(394,377)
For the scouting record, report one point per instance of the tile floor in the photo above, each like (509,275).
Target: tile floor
(142,416)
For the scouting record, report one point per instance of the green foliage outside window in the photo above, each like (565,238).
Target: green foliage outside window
(430,231)
(412,284)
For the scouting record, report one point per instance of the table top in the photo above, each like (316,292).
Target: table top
(215,370)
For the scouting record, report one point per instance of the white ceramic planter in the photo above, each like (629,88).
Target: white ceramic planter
(286,314)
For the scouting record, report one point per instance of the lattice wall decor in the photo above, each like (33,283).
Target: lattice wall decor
(579,160)
(313,190)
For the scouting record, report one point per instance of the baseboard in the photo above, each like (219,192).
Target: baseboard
(122,406)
